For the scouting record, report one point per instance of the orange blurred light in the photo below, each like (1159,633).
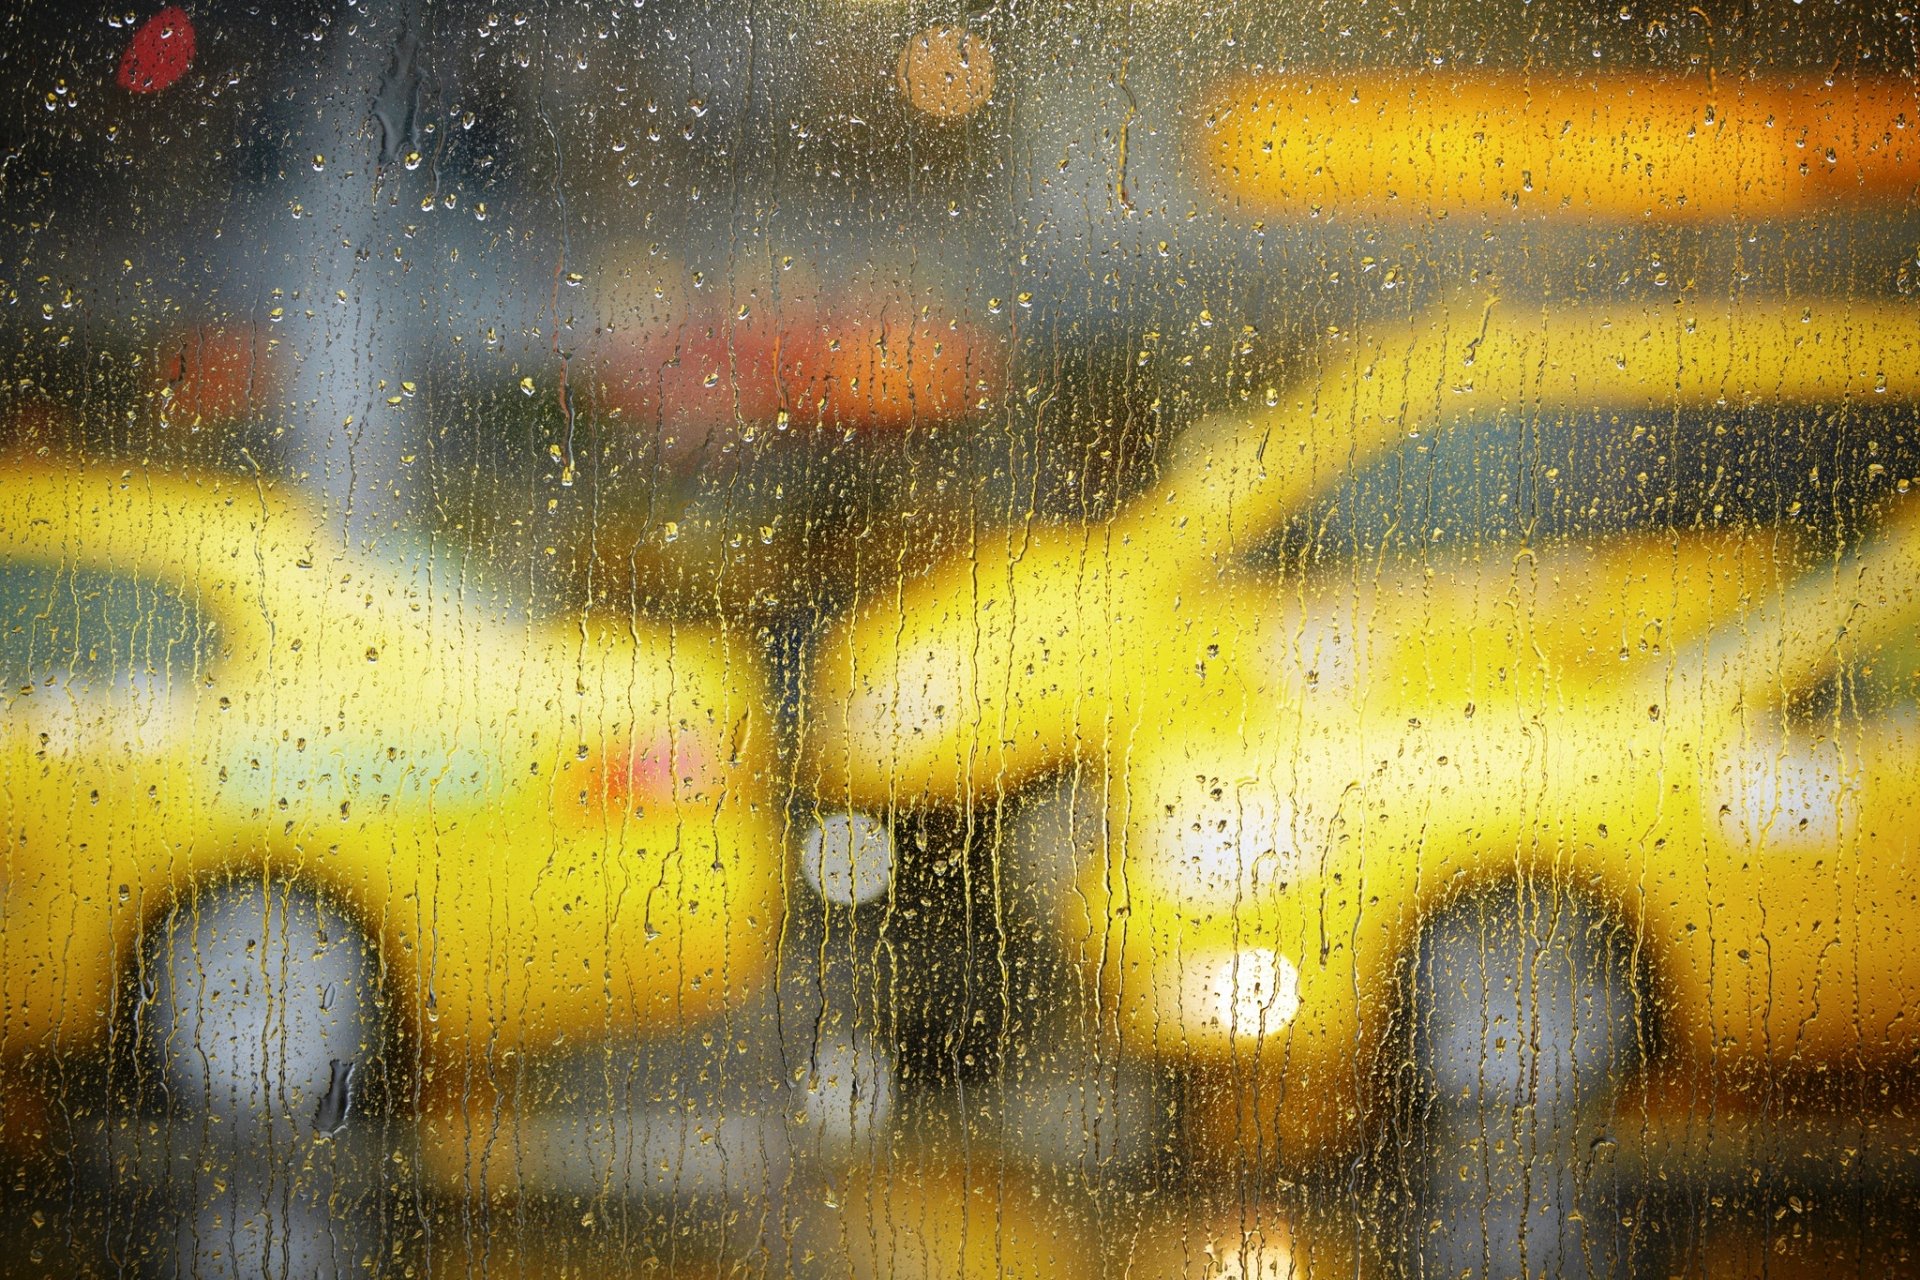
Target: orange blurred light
(887,377)
(214,374)
(849,367)
(946,73)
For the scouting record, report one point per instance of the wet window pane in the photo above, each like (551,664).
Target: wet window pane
(825,638)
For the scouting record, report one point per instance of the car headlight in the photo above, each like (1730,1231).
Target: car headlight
(1252,991)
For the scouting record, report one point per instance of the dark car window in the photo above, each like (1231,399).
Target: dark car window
(1537,478)
(95,627)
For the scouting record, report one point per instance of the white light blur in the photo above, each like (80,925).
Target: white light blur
(1250,992)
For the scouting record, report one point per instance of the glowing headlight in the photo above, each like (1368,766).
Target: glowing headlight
(1250,992)
(1260,1256)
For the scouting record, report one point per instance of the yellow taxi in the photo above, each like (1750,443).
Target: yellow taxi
(262,787)
(1305,773)
(1274,865)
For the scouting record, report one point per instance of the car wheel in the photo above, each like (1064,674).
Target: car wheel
(261,1008)
(1525,1014)
(260,1033)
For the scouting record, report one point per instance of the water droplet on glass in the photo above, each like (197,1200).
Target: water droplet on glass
(336,1104)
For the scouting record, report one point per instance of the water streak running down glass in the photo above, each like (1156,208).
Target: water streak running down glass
(835,638)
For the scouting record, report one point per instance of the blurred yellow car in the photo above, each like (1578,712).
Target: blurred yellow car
(230,739)
(1273,859)
(1304,776)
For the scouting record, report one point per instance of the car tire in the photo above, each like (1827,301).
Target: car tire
(1525,1015)
(261,1006)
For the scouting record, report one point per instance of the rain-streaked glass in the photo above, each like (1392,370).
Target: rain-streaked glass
(824,638)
